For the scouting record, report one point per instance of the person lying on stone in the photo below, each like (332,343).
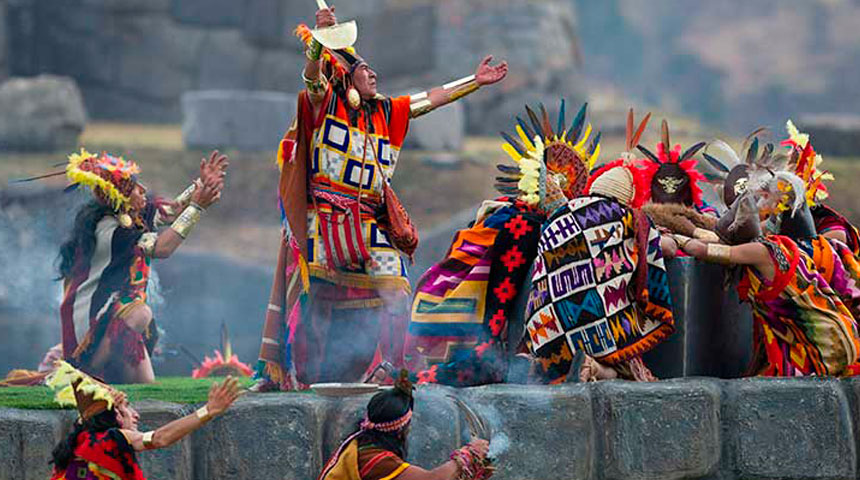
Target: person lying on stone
(107,326)
(599,287)
(378,448)
(801,325)
(347,239)
(105,439)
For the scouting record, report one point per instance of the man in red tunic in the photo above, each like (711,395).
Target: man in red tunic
(340,294)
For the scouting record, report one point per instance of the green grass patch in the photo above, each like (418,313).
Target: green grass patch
(182,390)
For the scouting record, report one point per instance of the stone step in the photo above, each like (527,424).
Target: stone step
(685,428)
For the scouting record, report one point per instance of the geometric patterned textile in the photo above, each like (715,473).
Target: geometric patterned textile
(342,167)
(581,295)
(462,305)
(800,324)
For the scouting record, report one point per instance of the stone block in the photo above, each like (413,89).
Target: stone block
(279,70)
(27,438)
(225,60)
(263,436)
(245,120)
(660,430)
(440,130)
(44,113)
(116,104)
(156,58)
(713,333)
(263,23)
(413,27)
(538,432)
(174,462)
(210,13)
(788,428)
(4,66)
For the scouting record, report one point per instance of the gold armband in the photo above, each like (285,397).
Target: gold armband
(147,243)
(718,253)
(203,413)
(147,439)
(420,104)
(705,235)
(681,240)
(186,221)
(462,87)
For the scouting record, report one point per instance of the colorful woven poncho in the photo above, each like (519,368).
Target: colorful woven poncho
(582,288)
(801,325)
(102,455)
(463,304)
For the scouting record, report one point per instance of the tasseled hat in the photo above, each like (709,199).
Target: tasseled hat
(671,175)
(75,388)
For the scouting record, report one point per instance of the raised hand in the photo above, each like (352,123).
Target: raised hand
(325,17)
(222,396)
(487,74)
(209,193)
(214,168)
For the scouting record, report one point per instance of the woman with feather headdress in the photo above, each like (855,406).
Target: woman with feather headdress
(104,441)
(107,325)
(802,325)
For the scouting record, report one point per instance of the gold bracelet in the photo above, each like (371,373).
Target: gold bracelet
(147,439)
(681,240)
(315,87)
(705,235)
(147,243)
(186,221)
(719,253)
(203,413)
(185,196)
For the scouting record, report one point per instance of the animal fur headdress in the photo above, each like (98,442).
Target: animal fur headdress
(671,174)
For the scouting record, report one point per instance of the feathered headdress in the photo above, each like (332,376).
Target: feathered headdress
(804,162)
(620,178)
(672,175)
(75,388)
(112,179)
(546,158)
(226,363)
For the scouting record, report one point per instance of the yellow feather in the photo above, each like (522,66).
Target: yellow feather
(525,138)
(512,152)
(593,159)
(584,138)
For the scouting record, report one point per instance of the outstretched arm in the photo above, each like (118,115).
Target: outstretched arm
(753,254)
(206,191)
(449,470)
(485,74)
(220,398)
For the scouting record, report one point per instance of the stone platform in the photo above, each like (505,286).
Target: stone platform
(685,428)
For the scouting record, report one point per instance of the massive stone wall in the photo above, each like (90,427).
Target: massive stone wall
(134,58)
(693,428)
